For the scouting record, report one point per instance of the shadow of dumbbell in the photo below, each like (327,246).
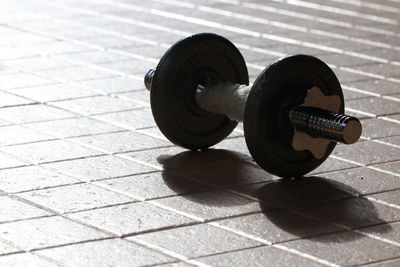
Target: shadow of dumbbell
(316,205)
(310,207)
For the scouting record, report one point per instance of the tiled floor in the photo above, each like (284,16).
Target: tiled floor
(87,179)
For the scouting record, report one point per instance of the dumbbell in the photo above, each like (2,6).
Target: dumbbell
(292,115)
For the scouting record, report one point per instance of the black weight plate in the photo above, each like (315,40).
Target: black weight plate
(185,65)
(267,128)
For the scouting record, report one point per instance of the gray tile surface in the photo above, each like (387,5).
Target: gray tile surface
(87,178)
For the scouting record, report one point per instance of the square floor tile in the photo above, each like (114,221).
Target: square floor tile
(391,198)
(121,142)
(367,152)
(15,134)
(6,248)
(197,240)
(74,197)
(48,151)
(362,181)
(47,232)
(33,113)
(345,248)
(96,105)
(210,204)
(154,185)
(73,127)
(114,84)
(25,260)
(277,226)
(113,252)
(130,119)
(8,100)
(31,178)
(352,213)
(131,218)
(8,161)
(389,232)
(260,256)
(12,209)
(54,92)
(98,168)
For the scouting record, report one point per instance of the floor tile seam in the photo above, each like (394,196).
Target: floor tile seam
(382,202)
(32,253)
(19,57)
(76,116)
(54,214)
(38,163)
(57,100)
(103,186)
(346,228)
(27,218)
(393,98)
(305,255)
(310,17)
(288,26)
(372,166)
(60,137)
(363,91)
(389,119)
(369,74)
(343,52)
(150,203)
(164,251)
(39,73)
(125,152)
(377,237)
(148,11)
(20,249)
(322,173)
(147,104)
(81,115)
(96,29)
(371,5)
(79,180)
(235,15)
(355,4)
(72,183)
(139,199)
(342,11)
(56,138)
(20,165)
(377,140)
(367,165)
(36,251)
(119,155)
(35,69)
(287,240)
(379,261)
(154,202)
(198,259)
(41,120)
(17,105)
(354,53)
(386,118)
(47,83)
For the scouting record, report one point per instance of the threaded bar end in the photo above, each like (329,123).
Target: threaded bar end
(326,124)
